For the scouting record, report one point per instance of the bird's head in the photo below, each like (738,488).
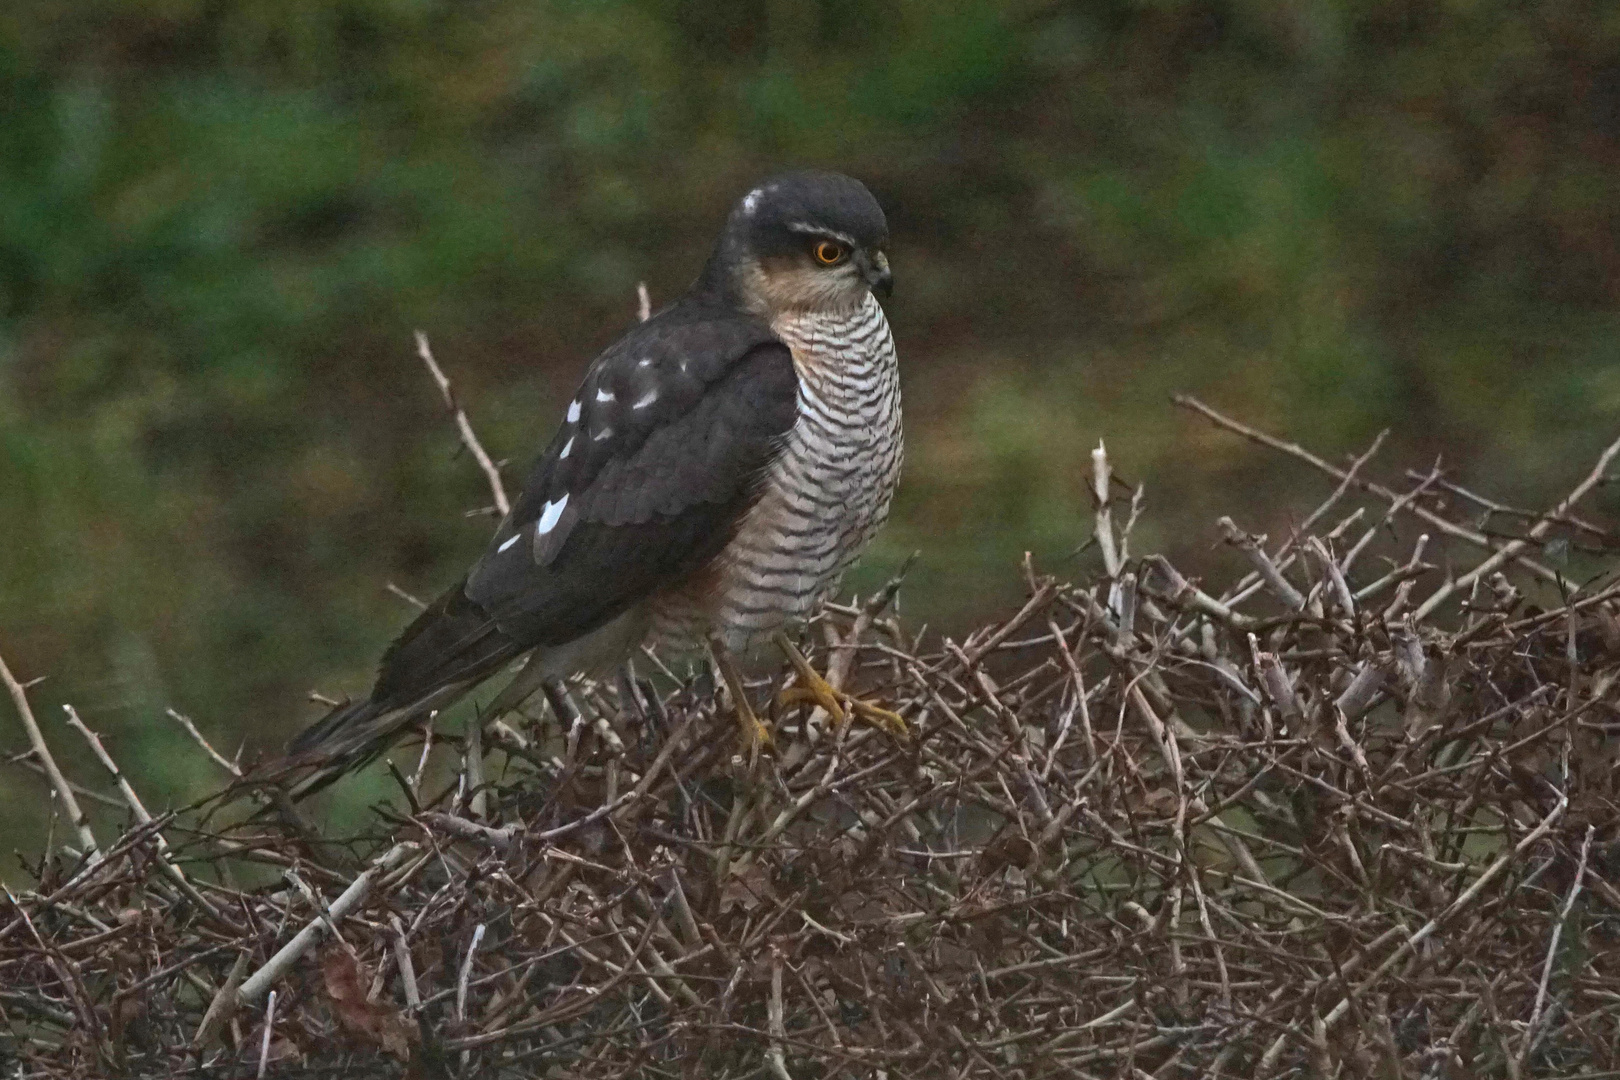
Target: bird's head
(803,241)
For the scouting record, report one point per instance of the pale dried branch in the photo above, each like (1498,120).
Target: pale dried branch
(469,438)
(76,816)
(165,859)
(197,737)
(1142,830)
(289,954)
(1513,548)
(1533,1028)
(1450,528)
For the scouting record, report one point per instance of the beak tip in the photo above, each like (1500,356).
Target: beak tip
(878,276)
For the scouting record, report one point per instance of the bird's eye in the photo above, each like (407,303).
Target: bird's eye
(830,254)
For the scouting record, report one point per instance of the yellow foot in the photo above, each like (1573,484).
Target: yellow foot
(838,705)
(753,733)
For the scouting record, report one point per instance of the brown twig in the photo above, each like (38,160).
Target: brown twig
(1513,548)
(1140,830)
(1450,528)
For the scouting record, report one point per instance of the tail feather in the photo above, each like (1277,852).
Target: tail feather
(354,735)
(449,649)
(344,717)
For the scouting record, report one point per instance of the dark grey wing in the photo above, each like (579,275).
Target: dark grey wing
(659,457)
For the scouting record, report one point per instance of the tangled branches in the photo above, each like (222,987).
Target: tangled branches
(1337,819)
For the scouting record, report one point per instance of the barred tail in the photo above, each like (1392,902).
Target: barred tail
(344,717)
(446,652)
(352,736)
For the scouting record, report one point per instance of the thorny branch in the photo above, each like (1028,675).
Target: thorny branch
(469,438)
(1331,818)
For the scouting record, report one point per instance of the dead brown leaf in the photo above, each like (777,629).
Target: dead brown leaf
(370,1021)
(747,885)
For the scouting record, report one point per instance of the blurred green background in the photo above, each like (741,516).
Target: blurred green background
(220,220)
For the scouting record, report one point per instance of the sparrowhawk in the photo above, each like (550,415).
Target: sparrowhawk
(720,467)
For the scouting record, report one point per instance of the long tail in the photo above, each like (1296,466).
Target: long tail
(451,647)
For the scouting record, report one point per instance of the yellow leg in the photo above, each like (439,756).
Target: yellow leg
(839,705)
(755,735)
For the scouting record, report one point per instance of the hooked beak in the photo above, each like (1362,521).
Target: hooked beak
(875,269)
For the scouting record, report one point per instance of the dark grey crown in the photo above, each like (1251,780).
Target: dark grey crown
(781,215)
(775,217)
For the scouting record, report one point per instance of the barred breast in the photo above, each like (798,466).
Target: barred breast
(824,497)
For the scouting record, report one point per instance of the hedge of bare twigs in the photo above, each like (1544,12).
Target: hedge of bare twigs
(1351,815)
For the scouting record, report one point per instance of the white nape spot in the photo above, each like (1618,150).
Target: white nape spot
(514,538)
(751,201)
(573,411)
(567,446)
(604,395)
(550,514)
(646,399)
(600,435)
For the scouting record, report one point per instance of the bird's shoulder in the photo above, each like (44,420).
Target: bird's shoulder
(682,409)
(660,369)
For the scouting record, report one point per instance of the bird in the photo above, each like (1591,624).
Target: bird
(719,468)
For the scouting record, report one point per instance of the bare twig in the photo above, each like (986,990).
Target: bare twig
(1250,546)
(1101,491)
(419,605)
(1450,528)
(76,817)
(466,971)
(269,1029)
(141,815)
(1147,827)
(1513,548)
(191,729)
(260,981)
(778,1031)
(469,438)
(1532,1029)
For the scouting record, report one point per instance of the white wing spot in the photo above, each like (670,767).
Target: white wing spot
(567,446)
(604,433)
(549,515)
(646,361)
(646,399)
(573,411)
(604,395)
(514,538)
(751,201)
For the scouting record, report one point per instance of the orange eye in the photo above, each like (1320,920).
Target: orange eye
(829,254)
